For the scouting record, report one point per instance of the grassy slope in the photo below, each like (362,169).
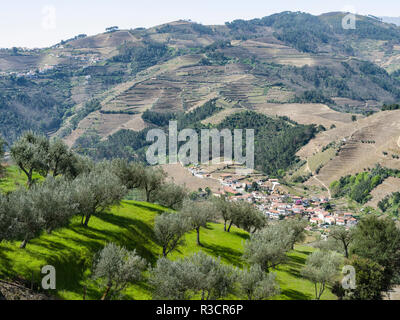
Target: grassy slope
(13,179)
(70,251)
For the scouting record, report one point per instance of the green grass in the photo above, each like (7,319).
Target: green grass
(14,178)
(70,251)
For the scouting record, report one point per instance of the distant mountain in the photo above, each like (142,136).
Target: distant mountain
(90,88)
(395,20)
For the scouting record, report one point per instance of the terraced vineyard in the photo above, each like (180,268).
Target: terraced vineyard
(367,142)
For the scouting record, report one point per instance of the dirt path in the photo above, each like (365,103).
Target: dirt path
(319,181)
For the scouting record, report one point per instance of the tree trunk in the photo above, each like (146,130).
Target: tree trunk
(346,250)
(106,293)
(230,225)
(164,252)
(198,236)
(225,225)
(316,291)
(23,244)
(147,195)
(321,290)
(87,220)
(29,182)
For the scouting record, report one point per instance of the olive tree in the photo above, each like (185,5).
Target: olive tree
(214,280)
(223,210)
(30,222)
(52,200)
(45,206)
(95,192)
(7,224)
(255,284)
(322,267)
(199,214)
(152,180)
(30,153)
(268,247)
(8,219)
(343,236)
(80,165)
(197,275)
(247,217)
(117,267)
(60,160)
(169,229)
(170,195)
(297,226)
(131,174)
(172,280)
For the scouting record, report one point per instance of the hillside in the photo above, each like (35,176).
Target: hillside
(357,145)
(101,84)
(70,250)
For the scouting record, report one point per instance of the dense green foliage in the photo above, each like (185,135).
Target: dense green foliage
(390,107)
(196,275)
(358,187)
(157,118)
(322,267)
(378,239)
(27,104)
(391,204)
(276,140)
(309,33)
(141,58)
(369,279)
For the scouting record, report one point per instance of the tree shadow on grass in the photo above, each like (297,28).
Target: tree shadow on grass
(294,272)
(293,260)
(295,263)
(137,235)
(307,253)
(244,236)
(146,206)
(139,227)
(5,262)
(295,295)
(232,256)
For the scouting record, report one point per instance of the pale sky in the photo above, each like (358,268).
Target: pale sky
(42,23)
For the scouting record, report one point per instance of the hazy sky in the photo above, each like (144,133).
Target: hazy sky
(41,23)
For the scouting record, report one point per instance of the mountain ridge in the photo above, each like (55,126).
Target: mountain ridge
(180,65)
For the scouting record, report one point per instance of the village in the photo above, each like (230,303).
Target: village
(269,196)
